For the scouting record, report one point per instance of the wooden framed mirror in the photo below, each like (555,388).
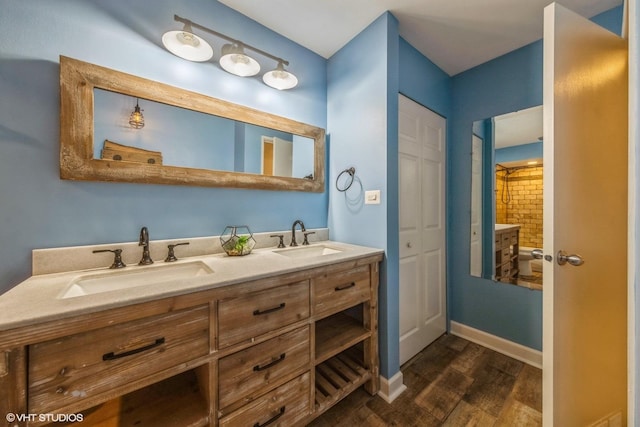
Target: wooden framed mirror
(87,91)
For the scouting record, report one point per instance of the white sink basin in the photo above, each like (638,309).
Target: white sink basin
(105,281)
(308,251)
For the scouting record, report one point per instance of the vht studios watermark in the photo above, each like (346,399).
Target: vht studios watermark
(51,418)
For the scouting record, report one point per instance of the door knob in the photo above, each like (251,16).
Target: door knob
(562,257)
(537,254)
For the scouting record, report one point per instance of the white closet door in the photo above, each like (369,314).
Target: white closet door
(422,227)
(476,206)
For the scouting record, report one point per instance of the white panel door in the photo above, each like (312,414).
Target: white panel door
(585,214)
(421,190)
(282,157)
(476,206)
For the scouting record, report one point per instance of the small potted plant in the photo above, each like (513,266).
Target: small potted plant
(237,240)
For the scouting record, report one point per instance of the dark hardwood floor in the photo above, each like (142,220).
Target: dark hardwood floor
(453,382)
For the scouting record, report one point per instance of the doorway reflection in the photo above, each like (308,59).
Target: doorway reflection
(507,198)
(519,190)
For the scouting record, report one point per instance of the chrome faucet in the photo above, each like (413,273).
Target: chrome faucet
(144,242)
(293,231)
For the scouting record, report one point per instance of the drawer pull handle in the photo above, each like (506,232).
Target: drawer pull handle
(343,287)
(269,310)
(259,368)
(273,419)
(113,356)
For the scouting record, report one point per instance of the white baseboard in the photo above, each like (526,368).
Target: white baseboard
(392,387)
(509,348)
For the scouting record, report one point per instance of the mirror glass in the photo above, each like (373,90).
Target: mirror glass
(187,138)
(177,136)
(506,198)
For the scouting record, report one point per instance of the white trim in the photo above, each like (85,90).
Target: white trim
(392,387)
(519,352)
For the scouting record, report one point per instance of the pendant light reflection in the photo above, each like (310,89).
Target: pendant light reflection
(235,61)
(136,119)
(280,78)
(187,45)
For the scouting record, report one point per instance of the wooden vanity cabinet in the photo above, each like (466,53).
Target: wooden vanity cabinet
(507,248)
(13,386)
(277,351)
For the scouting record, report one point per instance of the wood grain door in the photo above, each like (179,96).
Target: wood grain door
(422,227)
(585,214)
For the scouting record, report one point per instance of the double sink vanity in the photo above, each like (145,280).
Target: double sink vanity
(275,337)
(272,338)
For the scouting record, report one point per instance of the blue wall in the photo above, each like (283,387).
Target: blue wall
(508,83)
(532,150)
(38,210)
(423,81)
(363,89)
(362,132)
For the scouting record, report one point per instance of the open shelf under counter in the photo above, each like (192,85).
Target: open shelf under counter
(336,333)
(175,401)
(337,377)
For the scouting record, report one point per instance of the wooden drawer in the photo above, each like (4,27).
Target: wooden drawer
(248,316)
(249,372)
(506,256)
(506,271)
(67,370)
(513,237)
(336,291)
(505,240)
(287,405)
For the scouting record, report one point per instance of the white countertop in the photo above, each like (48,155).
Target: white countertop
(37,299)
(502,227)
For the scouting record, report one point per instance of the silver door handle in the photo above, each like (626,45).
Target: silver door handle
(562,257)
(537,253)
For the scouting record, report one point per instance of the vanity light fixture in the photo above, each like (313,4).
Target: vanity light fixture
(136,119)
(280,78)
(235,61)
(187,45)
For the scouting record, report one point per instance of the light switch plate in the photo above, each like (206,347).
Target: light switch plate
(372,197)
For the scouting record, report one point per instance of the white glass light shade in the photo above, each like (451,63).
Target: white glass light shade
(280,78)
(187,46)
(235,61)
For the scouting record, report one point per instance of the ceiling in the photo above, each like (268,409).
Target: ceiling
(455,34)
(518,128)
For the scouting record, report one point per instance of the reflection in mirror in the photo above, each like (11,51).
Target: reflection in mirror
(177,136)
(212,143)
(506,198)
